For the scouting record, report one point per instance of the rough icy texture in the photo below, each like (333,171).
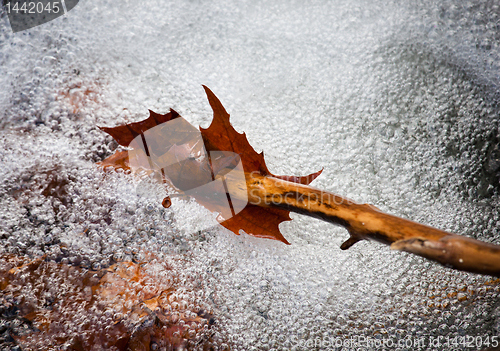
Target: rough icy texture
(398,101)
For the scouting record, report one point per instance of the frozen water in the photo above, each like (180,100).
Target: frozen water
(398,101)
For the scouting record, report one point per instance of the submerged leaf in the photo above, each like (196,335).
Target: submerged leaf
(124,307)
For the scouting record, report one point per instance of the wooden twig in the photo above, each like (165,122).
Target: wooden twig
(364,221)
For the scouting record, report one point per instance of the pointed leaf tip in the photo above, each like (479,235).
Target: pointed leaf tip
(217,107)
(305,180)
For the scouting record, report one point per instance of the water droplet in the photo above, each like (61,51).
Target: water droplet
(118,256)
(149,208)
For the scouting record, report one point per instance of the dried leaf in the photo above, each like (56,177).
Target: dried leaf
(171,153)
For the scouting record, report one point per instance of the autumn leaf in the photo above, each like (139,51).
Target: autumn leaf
(191,172)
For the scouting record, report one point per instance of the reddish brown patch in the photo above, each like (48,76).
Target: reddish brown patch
(125,134)
(140,312)
(166,203)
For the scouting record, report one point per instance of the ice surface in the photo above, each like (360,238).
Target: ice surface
(398,101)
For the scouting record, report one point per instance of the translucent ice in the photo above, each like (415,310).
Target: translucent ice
(398,101)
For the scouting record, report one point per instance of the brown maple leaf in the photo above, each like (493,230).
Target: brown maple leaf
(189,173)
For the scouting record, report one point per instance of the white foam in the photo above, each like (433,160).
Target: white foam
(397,102)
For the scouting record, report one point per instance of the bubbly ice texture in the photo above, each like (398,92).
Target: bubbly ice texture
(398,101)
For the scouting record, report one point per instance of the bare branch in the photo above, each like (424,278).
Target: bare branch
(364,221)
